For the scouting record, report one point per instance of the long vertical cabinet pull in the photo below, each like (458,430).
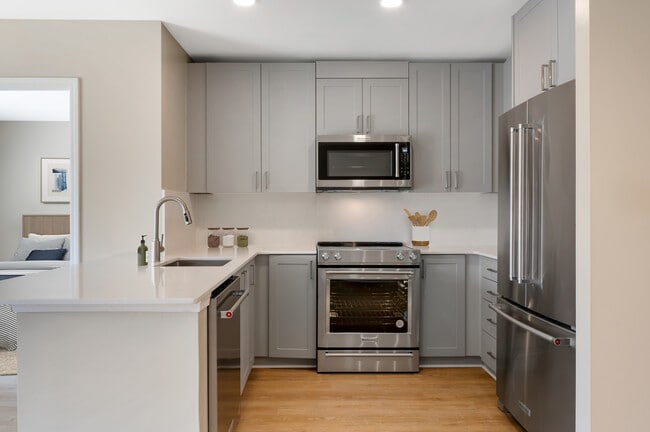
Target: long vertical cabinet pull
(267,180)
(552,66)
(311,270)
(524,204)
(456,180)
(359,123)
(368,124)
(257,181)
(544,77)
(447,181)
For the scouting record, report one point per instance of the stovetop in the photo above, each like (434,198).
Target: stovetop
(348,244)
(359,254)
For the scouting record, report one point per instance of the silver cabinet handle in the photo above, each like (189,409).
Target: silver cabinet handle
(551,73)
(329,354)
(544,82)
(359,123)
(368,124)
(456,180)
(311,270)
(556,341)
(257,181)
(491,321)
(489,353)
(229,313)
(491,270)
(267,180)
(252,273)
(447,180)
(492,293)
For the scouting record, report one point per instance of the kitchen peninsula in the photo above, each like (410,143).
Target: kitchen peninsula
(106,345)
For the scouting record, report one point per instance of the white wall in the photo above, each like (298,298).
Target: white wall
(119,66)
(22,145)
(463,218)
(613,234)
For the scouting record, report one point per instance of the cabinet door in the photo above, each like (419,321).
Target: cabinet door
(292,306)
(471,127)
(385,107)
(233,127)
(534,43)
(339,105)
(288,127)
(429,122)
(442,330)
(196,128)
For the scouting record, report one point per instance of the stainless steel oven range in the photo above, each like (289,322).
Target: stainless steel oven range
(368,307)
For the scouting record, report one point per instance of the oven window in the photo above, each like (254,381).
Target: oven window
(360,163)
(365,306)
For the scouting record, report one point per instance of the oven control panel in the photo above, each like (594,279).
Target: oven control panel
(403,256)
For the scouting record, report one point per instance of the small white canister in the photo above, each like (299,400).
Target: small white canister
(228,240)
(420,235)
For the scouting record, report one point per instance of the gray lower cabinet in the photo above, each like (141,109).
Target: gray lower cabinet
(442,328)
(488,316)
(292,306)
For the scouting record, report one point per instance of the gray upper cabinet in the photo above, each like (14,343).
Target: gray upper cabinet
(543,47)
(288,128)
(233,127)
(451,126)
(292,306)
(442,329)
(346,106)
(471,127)
(253,130)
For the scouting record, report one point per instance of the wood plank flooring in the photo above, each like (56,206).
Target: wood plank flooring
(442,399)
(301,400)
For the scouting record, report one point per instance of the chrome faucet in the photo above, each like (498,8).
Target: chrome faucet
(157,244)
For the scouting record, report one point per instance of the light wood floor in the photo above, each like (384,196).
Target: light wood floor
(301,400)
(293,400)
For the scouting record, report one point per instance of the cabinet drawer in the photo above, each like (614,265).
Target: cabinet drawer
(488,319)
(489,290)
(489,351)
(489,269)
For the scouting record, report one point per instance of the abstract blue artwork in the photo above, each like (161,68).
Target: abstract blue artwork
(55,177)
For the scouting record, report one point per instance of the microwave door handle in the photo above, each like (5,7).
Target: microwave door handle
(396,160)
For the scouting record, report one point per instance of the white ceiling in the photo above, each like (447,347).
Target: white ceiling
(307,29)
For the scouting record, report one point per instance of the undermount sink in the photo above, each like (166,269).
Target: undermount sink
(197,262)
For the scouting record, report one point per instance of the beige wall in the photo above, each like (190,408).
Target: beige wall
(614,44)
(119,66)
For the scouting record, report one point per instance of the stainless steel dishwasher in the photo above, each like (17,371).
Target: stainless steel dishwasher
(224,355)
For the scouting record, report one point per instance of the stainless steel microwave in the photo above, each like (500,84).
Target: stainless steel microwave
(363,162)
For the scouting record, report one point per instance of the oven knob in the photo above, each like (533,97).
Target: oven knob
(400,256)
(325,256)
(337,256)
(413,256)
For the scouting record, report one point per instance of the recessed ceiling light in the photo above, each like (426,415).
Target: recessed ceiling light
(391,3)
(244,3)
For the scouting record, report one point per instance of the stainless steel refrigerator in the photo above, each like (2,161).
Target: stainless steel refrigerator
(536,325)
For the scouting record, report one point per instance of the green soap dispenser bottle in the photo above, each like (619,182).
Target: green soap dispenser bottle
(142,252)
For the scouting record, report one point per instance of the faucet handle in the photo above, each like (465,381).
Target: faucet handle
(162,242)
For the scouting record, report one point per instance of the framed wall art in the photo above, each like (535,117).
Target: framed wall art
(55,178)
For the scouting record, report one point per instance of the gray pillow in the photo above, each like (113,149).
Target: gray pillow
(27,245)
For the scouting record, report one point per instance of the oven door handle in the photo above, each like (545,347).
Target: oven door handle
(373,273)
(329,354)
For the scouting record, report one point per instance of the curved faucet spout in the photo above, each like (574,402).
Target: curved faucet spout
(157,244)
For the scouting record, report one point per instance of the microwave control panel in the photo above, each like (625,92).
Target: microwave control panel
(404,161)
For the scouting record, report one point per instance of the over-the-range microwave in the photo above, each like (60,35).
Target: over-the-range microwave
(363,162)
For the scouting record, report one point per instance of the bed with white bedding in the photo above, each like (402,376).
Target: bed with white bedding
(45,245)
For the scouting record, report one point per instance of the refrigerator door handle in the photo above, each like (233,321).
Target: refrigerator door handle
(512,244)
(556,341)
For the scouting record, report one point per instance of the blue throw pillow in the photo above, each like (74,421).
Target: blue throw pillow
(46,255)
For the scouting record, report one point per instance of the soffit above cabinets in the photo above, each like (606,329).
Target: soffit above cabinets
(211,30)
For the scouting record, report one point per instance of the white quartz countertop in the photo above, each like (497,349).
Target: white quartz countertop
(117,284)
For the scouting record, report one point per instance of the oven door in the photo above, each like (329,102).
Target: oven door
(368,308)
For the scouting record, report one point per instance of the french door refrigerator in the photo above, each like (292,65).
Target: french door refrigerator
(536,325)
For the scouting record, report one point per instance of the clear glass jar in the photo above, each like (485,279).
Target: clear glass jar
(214,237)
(242,237)
(228,238)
